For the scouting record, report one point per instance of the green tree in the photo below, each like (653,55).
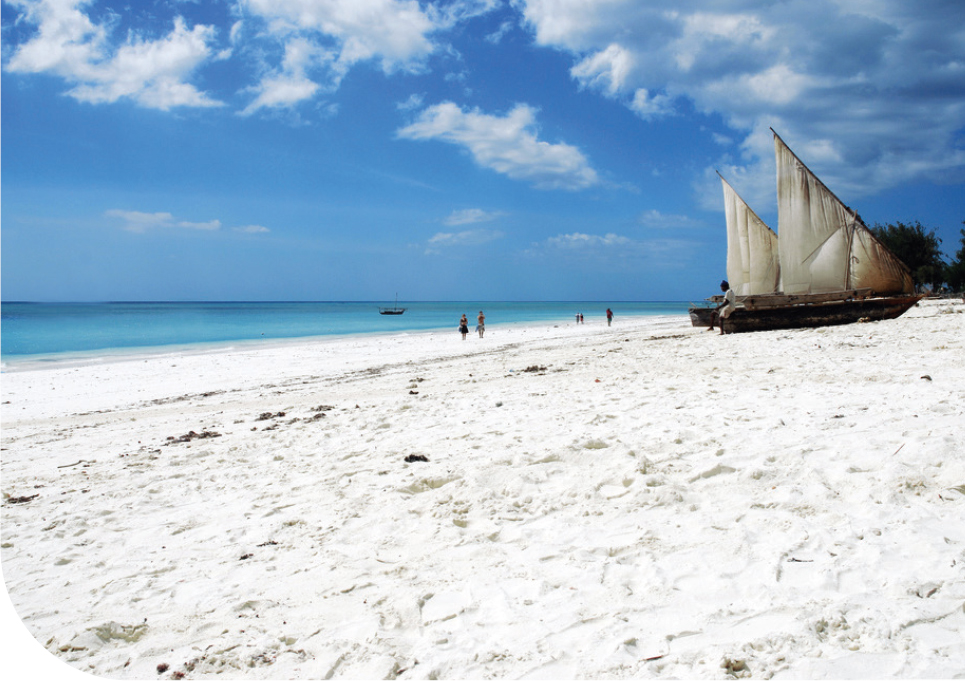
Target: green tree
(955,272)
(917,249)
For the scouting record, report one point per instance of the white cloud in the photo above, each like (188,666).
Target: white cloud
(605,70)
(289,84)
(413,102)
(507,144)
(209,226)
(324,38)
(470,216)
(616,251)
(649,107)
(152,73)
(471,237)
(497,36)
(395,34)
(136,221)
(140,222)
(654,219)
(280,91)
(580,240)
(395,31)
(881,78)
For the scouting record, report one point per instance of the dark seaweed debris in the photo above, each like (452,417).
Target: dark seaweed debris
(191,435)
(268,415)
(21,500)
(415,457)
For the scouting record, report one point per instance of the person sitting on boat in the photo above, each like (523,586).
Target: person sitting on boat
(725,308)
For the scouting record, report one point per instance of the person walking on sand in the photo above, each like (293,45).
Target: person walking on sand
(481,327)
(725,308)
(464,327)
(609,316)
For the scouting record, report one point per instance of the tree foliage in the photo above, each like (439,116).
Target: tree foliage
(955,272)
(918,249)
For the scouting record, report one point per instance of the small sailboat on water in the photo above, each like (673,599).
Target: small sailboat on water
(396,310)
(831,269)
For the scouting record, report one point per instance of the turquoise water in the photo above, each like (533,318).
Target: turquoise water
(29,330)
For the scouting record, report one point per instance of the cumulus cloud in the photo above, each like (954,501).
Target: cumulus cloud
(648,106)
(152,73)
(394,31)
(606,70)
(252,229)
(876,84)
(332,36)
(507,144)
(289,83)
(470,216)
(299,48)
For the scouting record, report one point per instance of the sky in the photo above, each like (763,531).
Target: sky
(460,150)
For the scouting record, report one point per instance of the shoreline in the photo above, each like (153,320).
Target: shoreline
(129,329)
(72,359)
(643,500)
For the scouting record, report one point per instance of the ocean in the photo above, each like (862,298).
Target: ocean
(52,331)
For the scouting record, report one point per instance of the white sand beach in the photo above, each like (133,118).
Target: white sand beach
(645,500)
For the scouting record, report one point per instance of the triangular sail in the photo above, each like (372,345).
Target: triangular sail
(752,248)
(824,246)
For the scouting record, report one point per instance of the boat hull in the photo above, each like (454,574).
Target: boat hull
(701,316)
(810,315)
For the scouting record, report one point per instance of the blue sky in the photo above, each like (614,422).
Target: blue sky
(472,149)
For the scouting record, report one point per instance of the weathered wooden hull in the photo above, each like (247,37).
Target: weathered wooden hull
(810,315)
(701,316)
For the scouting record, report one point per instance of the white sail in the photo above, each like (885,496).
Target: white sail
(824,246)
(752,252)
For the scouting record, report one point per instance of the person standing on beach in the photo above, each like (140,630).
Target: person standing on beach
(725,308)
(481,327)
(464,327)
(609,316)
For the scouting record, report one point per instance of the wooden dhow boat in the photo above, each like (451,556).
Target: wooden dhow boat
(393,310)
(830,268)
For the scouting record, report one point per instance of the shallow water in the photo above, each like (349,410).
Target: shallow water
(55,330)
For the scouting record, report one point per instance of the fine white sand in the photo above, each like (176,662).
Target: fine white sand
(646,500)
